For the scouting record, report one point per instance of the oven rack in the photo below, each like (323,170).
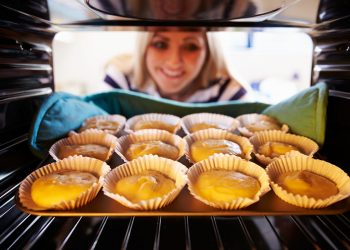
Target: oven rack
(24,231)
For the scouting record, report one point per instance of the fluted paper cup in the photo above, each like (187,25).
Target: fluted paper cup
(230,163)
(216,120)
(110,124)
(90,136)
(74,163)
(171,169)
(307,146)
(124,142)
(299,162)
(172,122)
(219,134)
(251,119)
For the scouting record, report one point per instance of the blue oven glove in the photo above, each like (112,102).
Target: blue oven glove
(58,114)
(305,113)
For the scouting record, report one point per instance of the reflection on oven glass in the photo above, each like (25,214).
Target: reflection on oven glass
(187,10)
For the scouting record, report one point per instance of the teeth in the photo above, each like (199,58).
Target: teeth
(172,73)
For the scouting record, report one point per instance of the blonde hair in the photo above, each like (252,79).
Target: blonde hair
(214,66)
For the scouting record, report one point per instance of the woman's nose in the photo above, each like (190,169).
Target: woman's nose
(175,57)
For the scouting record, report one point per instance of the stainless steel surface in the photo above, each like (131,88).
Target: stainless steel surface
(10,96)
(77,12)
(181,10)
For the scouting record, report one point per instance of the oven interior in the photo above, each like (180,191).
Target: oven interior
(27,29)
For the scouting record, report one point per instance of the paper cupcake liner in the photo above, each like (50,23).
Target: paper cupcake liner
(252,118)
(74,163)
(115,118)
(89,136)
(306,145)
(172,169)
(124,142)
(166,118)
(213,133)
(226,122)
(299,162)
(233,163)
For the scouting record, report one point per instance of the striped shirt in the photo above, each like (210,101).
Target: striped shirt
(221,89)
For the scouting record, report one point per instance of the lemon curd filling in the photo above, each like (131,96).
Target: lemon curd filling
(262,125)
(152,147)
(145,186)
(202,149)
(307,183)
(52,189)
(225,185)
(90,150)
(154,124)
(203,125)
(101,124)
(275,149)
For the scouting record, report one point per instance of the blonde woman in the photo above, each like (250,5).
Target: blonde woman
(179,64)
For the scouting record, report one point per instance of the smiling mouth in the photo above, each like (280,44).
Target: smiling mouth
(172,73)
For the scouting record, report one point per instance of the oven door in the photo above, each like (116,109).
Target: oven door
(26,78)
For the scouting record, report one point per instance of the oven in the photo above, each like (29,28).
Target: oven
(27,29)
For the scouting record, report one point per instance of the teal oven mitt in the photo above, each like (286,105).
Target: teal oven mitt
(130,103)
(305,113)
(58,114)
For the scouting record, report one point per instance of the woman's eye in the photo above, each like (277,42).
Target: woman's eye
(160,45)
(191,47)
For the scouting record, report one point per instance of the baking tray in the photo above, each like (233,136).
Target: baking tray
(186,205)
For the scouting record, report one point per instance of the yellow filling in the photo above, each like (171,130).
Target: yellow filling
(154,124)
(262,125)
(275,149)
(225,186)
(90,150)
(148,185)
(202,149)
(307,183)
(200,126)
(54,188)
(101,124)
(152,147)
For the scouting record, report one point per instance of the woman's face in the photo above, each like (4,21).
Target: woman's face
(175,58)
